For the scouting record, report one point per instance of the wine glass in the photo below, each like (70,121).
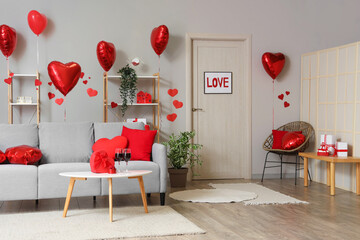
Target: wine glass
(119,155)
(127,156)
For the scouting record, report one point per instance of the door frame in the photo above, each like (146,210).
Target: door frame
(190,37)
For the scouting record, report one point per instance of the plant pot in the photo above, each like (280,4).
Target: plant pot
(178,176)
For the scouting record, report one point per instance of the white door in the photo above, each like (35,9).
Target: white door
(222,121)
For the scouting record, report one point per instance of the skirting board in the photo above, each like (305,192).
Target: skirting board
(273,175)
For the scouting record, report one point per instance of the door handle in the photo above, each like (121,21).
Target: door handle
(196,109)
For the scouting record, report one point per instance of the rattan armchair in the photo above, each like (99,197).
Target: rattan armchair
(307,131)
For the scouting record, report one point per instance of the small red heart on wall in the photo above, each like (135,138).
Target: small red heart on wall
(8,80)
(173,92)
(50,83)
(82,74)
(91,92)
(85,82)
(286,104)
(37,82)
(281,96)
(11,74)
(59,101)
(114,104)
(177,104)
(171,117)
(287,92)
(51,95)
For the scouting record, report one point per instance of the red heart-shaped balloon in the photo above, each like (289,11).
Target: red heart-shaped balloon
(177,104)
(281,96)
(59,101)
(273,63)
(8,40)
(159,39)
(171,117)
(37,22)
(106,54)
(91,92)
(51,95)
(114,104)
(173,92)
(64,76)
(286,104)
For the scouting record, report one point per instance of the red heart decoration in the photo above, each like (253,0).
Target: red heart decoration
(8,40)
(135,120)
(37,22)
(2,157)
(8,80)
(287,92)
(37,82)
(11,74)
(64,76)
(173,92)
(23,154)
(273,63)
(50,83)
(91,92)
(82,74)
(109,145)
(51,95)
(100,162)
(114,104)
(59,101)
(159,39)
(106,54)
(89,77)
(281,96)
(171,117)
(177,104)
(85,82)
(286,104)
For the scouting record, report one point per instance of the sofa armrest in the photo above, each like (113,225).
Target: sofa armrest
(159,157)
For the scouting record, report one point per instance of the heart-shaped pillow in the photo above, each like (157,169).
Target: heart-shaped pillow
(292,140)
(23,155)
(109,145)
(2,157)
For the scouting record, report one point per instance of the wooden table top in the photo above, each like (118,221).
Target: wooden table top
(330,158)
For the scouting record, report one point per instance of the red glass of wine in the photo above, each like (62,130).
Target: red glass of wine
(119,156)
(127,157)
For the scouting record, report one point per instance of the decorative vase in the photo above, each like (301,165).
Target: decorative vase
(178,176)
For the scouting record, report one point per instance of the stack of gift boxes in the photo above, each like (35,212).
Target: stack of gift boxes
(328,147)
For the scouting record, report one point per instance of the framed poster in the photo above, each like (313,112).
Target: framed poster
(218,82)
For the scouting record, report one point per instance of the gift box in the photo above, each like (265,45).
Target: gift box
(322,152)
(327,142)
(341,149)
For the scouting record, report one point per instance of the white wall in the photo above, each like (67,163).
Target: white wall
(75,28)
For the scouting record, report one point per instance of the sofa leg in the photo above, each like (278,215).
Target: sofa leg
(94,198)
(162,199)
(148,195)
(37,201)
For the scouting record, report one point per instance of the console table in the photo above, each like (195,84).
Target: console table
(331,161)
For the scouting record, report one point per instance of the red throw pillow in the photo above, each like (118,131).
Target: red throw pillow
(100,162)
(109,146)
(23,155)
(277,138)
(292,140)
(2,157)
(140,142)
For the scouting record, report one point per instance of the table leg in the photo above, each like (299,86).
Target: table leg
(110,200)
(142,189)
(332,179)
(306,162)
(358,178)
(68,196)
(328,174)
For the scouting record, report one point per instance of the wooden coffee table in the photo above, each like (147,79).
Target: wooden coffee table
(331,161)
(85,175)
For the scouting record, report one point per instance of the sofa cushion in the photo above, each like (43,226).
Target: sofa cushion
(19,182)
(18,134)
(129,186)
(66,142)
(52,185)
(113,129)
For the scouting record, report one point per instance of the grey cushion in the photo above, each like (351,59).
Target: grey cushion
(52,185)
(12,135)
(129,186)
(66,142)
(18,182)
(113,129)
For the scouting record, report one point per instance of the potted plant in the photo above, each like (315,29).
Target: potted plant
(127,86)
(181,153)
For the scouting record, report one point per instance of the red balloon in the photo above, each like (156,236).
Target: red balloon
(292,140)
(8,40)
(37,22)
(23,155)
(273,63)
(106,54)
(100,162)
(64,76)
(159,39)
(2,157)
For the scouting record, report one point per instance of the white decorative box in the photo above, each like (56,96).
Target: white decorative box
(341,149)
(328,142)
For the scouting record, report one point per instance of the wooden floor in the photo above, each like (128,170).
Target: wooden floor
(326,217)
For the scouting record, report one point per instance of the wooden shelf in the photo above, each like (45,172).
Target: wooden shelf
(23,104)
(139,77)
(139,104)
(25,75)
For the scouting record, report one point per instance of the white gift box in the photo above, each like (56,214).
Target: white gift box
(327,139)
(341,149)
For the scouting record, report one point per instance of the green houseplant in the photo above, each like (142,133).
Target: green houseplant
(127,86)
(181,153)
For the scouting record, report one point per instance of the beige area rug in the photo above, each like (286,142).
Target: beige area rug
(95,224)
(265,195)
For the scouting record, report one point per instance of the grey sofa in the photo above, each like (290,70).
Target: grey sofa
(68,147)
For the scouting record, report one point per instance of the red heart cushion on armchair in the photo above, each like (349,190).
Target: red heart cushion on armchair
(23,155)
(2,157)
(292,140)
(277,138)
(109,145)
(100,162)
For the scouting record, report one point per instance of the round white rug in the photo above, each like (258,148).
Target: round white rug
(213,195)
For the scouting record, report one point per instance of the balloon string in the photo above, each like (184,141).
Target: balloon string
(8,66)
(64,109)
(37,52)
(159,65)
(273,111)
